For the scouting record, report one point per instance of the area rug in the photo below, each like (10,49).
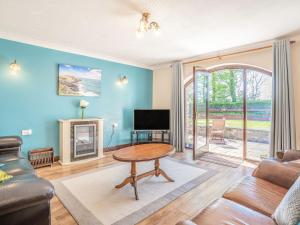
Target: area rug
(92,199)
(220,159)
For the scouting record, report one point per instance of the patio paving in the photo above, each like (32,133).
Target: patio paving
(234,148)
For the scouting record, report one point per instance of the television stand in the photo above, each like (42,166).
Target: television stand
(142,137)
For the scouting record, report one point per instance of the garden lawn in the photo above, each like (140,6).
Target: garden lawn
(251,124)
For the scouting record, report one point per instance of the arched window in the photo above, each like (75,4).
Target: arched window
(239,112)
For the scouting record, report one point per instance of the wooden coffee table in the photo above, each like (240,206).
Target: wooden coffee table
(141,153)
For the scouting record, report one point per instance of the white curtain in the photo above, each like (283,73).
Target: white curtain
(283,115)
(177,107)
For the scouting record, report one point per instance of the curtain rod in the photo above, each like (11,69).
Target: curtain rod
(234,53)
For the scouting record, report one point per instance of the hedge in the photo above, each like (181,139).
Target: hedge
(261,104)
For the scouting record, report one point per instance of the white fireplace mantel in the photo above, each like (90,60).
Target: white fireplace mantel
(65,138)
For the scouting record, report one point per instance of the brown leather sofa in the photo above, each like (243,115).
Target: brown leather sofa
(24,199)
(253,200)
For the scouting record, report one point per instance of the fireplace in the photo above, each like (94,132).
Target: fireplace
(80,140)
(84,140)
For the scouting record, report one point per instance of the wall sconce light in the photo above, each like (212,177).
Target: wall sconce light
(14,67)
(122,80)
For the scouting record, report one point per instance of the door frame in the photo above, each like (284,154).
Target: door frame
(199,69)
(185,110)
(211,70)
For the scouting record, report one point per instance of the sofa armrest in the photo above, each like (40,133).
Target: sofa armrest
(186,222)
(22,192)
(290,155)
(10,145)
(277,173)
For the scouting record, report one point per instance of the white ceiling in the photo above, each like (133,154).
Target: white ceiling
(106,28)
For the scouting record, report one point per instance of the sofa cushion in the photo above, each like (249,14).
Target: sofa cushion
(294,163)
(224,211)
(18,167)
(9,157)
(257,194)
(288,211)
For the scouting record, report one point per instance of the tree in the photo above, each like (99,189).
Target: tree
(224,86)
(255,80)
(232,80)
(213,87)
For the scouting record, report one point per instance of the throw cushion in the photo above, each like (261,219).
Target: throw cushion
(4,176)
(288,211)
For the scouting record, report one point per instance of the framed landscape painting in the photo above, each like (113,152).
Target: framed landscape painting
(78,80)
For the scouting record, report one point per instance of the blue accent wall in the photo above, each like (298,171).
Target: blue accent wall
(29,99)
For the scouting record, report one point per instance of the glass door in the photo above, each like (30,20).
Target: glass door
(259,107)
(200,111)
(226,112)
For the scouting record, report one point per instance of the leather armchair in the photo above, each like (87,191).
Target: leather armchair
(25,199)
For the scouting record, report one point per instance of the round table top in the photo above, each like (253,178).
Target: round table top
(142,152)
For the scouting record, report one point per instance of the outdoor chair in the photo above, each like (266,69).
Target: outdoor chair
(218,130)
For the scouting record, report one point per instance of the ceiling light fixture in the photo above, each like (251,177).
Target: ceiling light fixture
(145,26)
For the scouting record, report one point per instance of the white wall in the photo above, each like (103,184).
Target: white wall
(261,58)
(296,82)
(162,88)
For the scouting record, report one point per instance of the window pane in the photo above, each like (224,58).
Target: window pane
(259,100)
(226,112)
(189,115)
(201,108)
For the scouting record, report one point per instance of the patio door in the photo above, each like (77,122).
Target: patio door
(200,111)
(228,111)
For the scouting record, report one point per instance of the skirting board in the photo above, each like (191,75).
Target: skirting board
(116,147)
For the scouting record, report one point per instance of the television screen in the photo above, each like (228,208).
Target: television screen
(151,119)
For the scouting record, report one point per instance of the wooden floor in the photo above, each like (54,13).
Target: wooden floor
(184,207)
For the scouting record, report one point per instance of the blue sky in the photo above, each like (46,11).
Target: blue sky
(79,71)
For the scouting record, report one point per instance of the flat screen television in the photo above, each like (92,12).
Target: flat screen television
(151,119)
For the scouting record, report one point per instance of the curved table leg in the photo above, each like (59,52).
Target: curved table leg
(124,182)
(134,179)
(159,171)
(163,173)
(156,167)
(131,180)
(134,184)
